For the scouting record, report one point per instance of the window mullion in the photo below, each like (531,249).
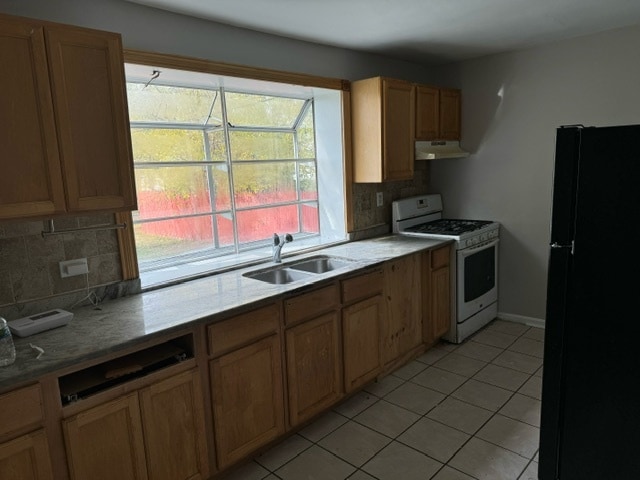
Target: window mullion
(303,112)
(227,141)
(297,176)
(212,189)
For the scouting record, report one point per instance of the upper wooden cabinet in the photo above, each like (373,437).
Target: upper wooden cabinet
(65,137)
(437,113)
(382,114)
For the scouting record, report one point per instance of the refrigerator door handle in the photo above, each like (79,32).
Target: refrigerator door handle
(557,245)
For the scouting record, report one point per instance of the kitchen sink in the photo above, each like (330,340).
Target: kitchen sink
(320,264)
(278,276)
(302,270)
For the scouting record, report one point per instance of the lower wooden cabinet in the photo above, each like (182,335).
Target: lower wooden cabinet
(440,303)
(247,394)
(173,426)
(362,317)
(26,458)
(155,434)
(361,342)
(271,369)
(437,291)
(313,366)
(24,448)
(106,442)
(402,330)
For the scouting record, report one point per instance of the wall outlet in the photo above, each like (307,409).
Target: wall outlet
(379,199)
(71,268)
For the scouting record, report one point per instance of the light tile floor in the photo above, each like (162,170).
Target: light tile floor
(458,412)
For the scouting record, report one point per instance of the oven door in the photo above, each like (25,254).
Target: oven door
(477,279)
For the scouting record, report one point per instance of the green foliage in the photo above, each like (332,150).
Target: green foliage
(163,104)
(175,105)
(245,109)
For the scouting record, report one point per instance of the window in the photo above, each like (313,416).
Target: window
(222,163)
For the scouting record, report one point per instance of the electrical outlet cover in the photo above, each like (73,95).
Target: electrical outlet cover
(70,268)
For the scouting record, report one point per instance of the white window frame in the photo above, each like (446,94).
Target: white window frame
(327,108)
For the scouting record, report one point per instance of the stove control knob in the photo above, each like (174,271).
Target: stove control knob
(483,237)
(467,243)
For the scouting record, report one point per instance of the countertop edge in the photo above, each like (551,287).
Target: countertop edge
(121,324)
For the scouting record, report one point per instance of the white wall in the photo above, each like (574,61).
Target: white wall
(154,30)
(512,104)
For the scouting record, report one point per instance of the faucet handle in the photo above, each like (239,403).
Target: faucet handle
(276,240)
(288,238)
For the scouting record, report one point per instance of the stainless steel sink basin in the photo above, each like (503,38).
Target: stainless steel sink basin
(302,270)
(320,264)
(278,276)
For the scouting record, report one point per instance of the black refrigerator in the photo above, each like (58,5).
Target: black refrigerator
(590,421)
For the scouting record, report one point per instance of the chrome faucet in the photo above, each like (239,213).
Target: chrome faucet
(278,244)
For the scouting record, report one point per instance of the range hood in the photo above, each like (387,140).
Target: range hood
(439,149)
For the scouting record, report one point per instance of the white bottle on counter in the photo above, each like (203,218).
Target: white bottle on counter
(7,348)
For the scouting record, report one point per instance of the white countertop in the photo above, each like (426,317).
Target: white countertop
(125,322)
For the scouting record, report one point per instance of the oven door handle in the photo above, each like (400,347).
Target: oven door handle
(465,252)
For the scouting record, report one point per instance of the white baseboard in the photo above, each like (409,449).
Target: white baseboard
(531,321)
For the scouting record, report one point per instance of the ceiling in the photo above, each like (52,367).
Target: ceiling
(425,31)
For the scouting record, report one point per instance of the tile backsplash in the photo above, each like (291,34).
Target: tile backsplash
(30,278)
(370,220)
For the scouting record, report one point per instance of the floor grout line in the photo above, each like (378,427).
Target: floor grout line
(377,398)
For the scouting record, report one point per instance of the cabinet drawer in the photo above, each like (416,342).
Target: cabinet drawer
(363,286)
(309,305)
(440,257)
(20,408)
(242,329)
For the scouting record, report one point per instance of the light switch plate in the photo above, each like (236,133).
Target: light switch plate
(379,199)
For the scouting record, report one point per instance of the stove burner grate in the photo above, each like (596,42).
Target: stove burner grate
(448,226)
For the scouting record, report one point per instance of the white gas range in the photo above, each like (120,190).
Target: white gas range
(475,278)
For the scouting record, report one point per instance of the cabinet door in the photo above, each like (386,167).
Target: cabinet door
(427,112)
(31,180)
(173,422)
(440,302)
(321,300)
(87,73)
(449,114)
(361,342)
(247,393)
(106,442)
(398,127)
(437,291)
(26,458)
(402,329)
(313,367)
